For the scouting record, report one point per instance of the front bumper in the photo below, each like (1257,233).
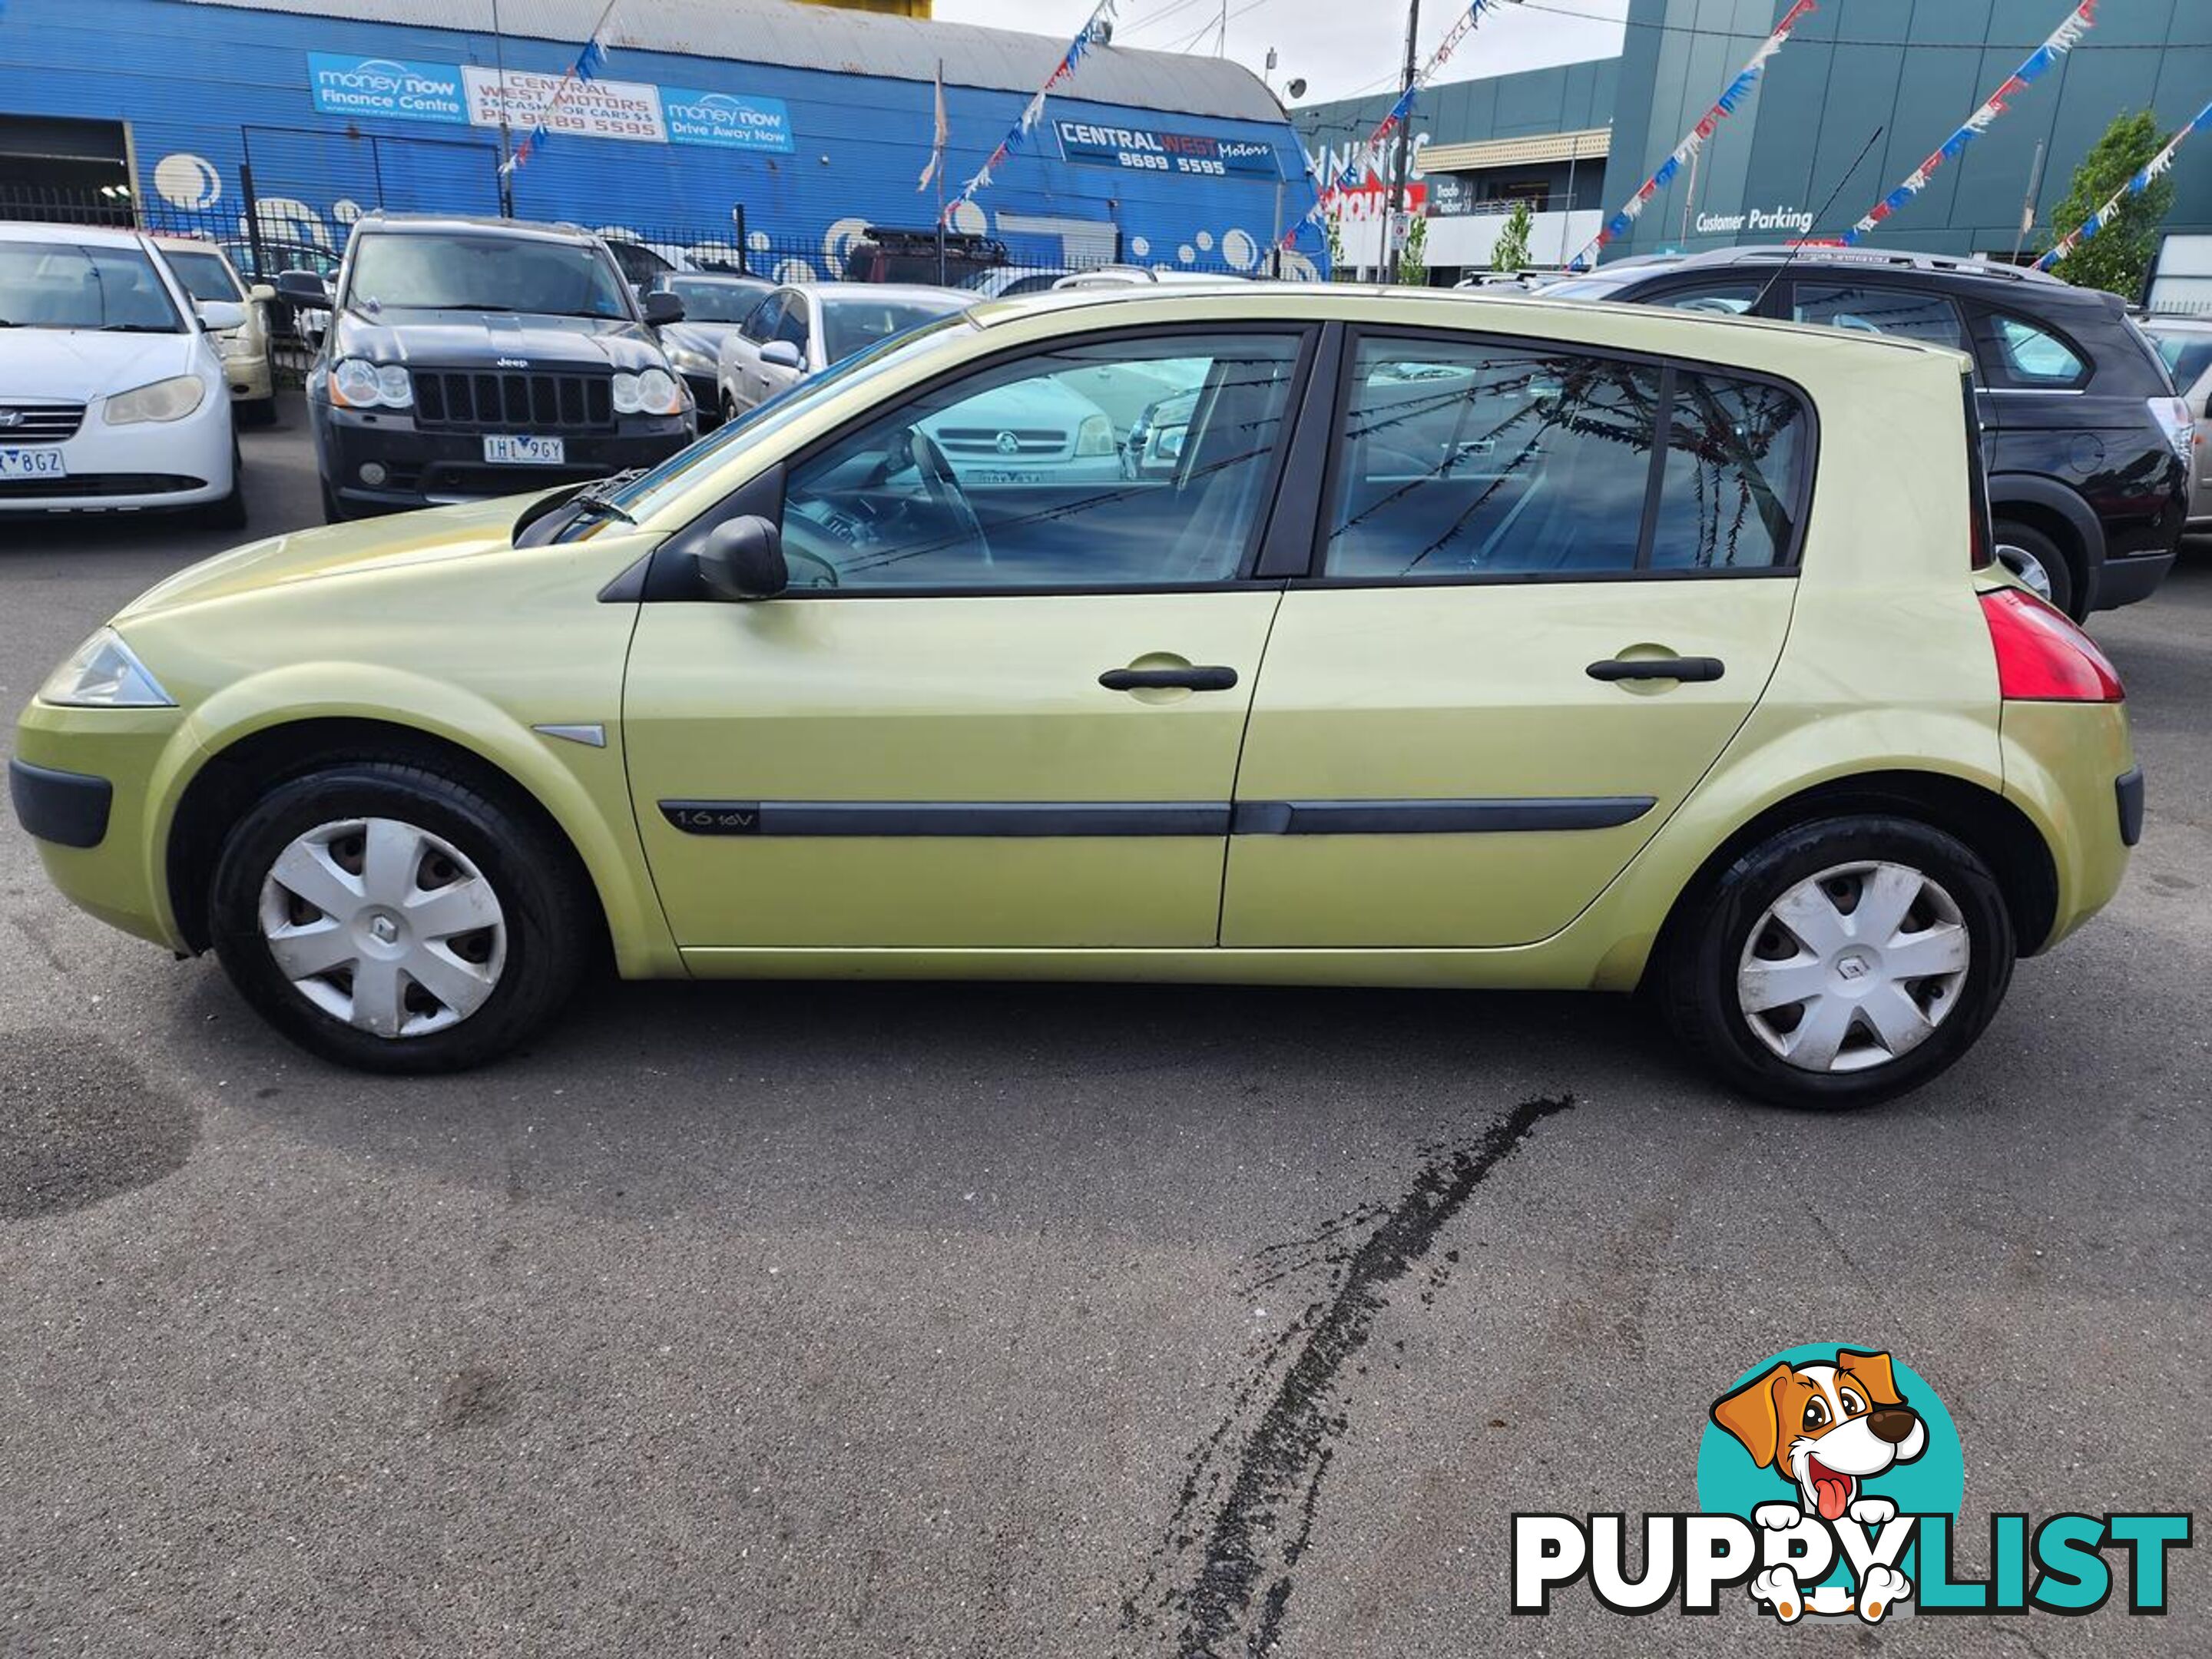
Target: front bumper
(147,466)
(69,809)
(249,379)
(437,468)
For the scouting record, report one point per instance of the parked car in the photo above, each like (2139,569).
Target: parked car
(714,305)
(205,273)
(2184,344)
(284,321)
(885,253)
(1138,277)
(1005,282)
(1572,678)
(112,394)
(476,357)
(2086,446)
(802,328)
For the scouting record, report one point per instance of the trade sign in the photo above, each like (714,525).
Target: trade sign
(1147,149)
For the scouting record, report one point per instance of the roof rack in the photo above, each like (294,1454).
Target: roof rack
(1887,258)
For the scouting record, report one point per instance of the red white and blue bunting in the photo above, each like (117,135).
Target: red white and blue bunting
(1365,157)
(1033,113)
(588,64)
(2079,21)
(2135,186)
(1694,140)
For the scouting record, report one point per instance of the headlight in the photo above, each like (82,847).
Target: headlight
(103,673)
(653,392)
(1095,436)
(164,400)
(357,383)
(691,358)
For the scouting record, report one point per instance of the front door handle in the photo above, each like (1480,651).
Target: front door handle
(1195,677)
(1657,668)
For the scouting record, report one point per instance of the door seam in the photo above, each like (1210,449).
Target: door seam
(1236,771)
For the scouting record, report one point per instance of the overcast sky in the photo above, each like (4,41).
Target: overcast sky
(1341,50)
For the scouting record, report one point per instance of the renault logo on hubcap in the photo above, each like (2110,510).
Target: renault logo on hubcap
(386,929)
(1852,967)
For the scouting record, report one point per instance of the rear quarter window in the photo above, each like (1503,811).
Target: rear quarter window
(2031,355)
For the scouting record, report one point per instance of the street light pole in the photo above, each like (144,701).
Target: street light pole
(506,146)
(1402,152)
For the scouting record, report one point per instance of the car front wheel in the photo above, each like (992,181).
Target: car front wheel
(390,918)
(1840,962)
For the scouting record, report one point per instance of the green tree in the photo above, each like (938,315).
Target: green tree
(2117,259)
(1413,258)
(1511,251)
(1335,228)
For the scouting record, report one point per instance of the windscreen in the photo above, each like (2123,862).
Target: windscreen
(411,271)
(64,284)
(853,325)
(204,274)
(707,300)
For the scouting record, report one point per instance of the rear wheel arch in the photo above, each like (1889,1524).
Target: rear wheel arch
(1992,827)
(2062,515)
(233,780)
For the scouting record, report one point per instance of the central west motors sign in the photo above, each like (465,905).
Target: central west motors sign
(389,87)
(725,118)
(523,100)
(1146,149)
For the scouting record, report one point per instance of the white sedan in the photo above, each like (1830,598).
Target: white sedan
(799,330)
(113,396)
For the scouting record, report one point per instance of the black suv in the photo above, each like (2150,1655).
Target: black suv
(2085,444)
(472,357)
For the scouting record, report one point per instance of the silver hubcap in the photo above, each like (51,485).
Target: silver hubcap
(1853,967)
(2025,566)
(384,926)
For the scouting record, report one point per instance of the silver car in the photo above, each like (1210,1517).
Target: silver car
(2185,343)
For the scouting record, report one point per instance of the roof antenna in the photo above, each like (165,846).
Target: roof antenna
(1767,287)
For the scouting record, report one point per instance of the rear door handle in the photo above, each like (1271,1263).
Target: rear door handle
(1657,668)
(1196,677)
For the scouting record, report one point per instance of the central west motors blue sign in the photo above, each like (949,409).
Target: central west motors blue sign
(725,118)
(1147,149)
(387,87)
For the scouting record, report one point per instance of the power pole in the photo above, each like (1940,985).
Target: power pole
(1401,155)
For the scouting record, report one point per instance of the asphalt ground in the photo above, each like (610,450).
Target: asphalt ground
(975,1320)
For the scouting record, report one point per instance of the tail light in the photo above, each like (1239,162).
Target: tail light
(2041,657)
(2174,419)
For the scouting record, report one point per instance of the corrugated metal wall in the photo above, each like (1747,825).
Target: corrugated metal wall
(207,88)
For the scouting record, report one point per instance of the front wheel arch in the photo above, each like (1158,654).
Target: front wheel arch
(226,788)
(1992,827)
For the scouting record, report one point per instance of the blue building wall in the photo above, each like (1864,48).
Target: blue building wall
(208,89)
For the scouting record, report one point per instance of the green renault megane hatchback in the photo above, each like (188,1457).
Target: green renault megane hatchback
(1421,639)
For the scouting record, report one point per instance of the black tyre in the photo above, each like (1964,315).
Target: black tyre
(2040,562)
(1895,933)
(228,513)
(334,511)
(258,411)
(392,920)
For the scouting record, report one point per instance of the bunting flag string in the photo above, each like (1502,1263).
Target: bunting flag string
(1033,112)
(588,64)
(2151,169)
(1365,156)
(2079,21)
(1694,140)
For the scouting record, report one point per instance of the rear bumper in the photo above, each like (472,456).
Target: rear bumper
(2123,581)
(2070,766)
(428,469)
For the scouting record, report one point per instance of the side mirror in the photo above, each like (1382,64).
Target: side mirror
(662,307)
(782,354)
(219,316)
(303,288)
(742,560)
(263,292)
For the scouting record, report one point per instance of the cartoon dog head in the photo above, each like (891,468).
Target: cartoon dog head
(1828,1427)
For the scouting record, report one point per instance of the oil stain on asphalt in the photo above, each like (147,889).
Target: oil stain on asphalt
(79,1123)
(1221,1578)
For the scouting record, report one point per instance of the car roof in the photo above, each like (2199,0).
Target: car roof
(1237,299)
(30,230)
(2179,322)
(422,224)
(1812,257)
(187,245)
(828,291)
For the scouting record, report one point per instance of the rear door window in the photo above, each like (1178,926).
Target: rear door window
(1872,308)
(1721,299)
(1469,459)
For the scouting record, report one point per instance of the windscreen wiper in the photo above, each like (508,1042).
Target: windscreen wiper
(597,500)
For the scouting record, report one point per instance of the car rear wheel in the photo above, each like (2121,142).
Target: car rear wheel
(390,918)
(1841,963)
(2039,562)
